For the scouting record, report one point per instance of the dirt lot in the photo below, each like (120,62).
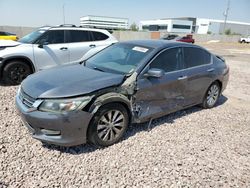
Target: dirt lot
(191,148)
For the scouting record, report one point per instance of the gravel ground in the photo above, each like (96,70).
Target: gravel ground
(190,148)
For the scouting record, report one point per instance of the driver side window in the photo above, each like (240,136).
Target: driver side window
(169,60)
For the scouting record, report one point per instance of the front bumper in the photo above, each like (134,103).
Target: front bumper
(71,126)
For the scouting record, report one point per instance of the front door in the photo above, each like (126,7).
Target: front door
(54,52)
(159,96)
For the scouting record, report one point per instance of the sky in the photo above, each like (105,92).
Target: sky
(35,13)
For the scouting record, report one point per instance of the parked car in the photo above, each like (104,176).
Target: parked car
(127,82)
(170,37)
(245,39)
(7,36)
(48,47)
(187,38)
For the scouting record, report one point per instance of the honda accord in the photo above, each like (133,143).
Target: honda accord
(127,82)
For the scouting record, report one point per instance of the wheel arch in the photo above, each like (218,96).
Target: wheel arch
(219,82)
(13,58)
(109,98)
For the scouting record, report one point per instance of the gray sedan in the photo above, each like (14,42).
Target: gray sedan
(128,82)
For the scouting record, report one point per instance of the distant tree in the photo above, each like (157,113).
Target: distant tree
(134,27)
(228,32)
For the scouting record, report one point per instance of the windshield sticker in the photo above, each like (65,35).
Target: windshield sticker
(140,49)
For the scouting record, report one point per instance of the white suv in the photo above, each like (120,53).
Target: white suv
(48,47)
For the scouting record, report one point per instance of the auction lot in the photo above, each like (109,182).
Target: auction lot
(190,148)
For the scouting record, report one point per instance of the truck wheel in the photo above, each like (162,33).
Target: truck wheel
(15,72)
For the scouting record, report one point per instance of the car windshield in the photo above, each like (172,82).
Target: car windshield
(33,36)
(119,58)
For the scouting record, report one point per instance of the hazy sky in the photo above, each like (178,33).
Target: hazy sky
(49,12)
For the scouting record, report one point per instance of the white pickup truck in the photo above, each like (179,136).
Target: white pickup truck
(245,39)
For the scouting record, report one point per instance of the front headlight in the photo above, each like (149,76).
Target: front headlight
(64,105)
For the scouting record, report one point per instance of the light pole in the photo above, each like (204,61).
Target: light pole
(226,15)
(63,13)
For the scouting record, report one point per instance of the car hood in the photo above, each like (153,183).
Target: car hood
(9,43)
(68,81)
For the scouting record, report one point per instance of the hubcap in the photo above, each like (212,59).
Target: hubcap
(212,95)
(18,73)
(110,125)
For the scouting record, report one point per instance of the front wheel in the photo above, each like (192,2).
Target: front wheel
(212,95)
(15,72)
(108,125)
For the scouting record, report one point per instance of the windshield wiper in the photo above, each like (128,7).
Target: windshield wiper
(96,68)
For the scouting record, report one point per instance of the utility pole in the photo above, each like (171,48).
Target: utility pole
(63,13)
(226,15)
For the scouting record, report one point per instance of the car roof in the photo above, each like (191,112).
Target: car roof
(159,44)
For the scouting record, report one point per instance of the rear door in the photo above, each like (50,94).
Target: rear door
(79,42)
(157,96)
(200,73)
(54,52)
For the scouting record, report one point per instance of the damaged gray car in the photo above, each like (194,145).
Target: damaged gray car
(128,82)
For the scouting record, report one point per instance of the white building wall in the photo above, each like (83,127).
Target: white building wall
(170,25)
(180,23)
(202,25)
(104,22)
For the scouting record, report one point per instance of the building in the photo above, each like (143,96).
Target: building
(197,25)
(168,25)
(110,23)
(204,26)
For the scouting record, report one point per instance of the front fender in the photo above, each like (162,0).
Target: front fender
(106,98)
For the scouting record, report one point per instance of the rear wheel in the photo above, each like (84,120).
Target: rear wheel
(212,95)
(15,72)
(108,125)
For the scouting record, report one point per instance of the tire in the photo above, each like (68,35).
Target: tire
(108,125)
(15,72)
(212,95)
(243,41)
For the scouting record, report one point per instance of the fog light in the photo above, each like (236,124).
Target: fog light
(50,132)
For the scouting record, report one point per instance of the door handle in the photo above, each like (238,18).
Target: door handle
(210,70)
(63,48)
(182,78)
(92,45)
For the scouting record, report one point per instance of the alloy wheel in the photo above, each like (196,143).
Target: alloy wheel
(110,125)
(213,94)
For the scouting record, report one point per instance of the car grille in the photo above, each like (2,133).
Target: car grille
(27,100)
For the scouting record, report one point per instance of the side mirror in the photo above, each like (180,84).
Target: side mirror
(155,73)
(41,44)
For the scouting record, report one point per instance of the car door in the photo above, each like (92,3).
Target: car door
(51,50)
(158,96)
(79,42)
(200,73)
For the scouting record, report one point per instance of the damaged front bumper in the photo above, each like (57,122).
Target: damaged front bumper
(65,129)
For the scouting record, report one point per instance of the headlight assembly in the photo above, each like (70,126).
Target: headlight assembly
(64,105)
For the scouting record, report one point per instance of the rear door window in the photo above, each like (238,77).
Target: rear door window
(169,60)
(195,57)
(99,36)
(78,36)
